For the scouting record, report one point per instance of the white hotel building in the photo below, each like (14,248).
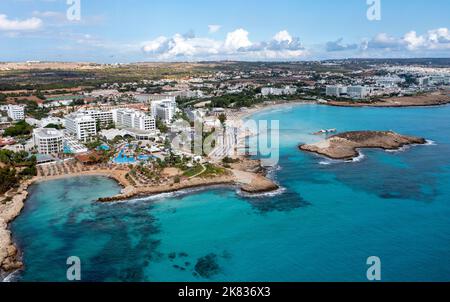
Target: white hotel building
(164,109)
(81,126)
(354,92)
(16,113)
(104,117)
(358,92)
(48,141)
(337,90)
(278,91)
(134,119)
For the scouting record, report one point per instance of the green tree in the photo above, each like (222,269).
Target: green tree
(54,126)
(20,128)
(2,98)
(8,179)
(161,126)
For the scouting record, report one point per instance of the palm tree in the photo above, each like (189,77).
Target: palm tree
(223,120)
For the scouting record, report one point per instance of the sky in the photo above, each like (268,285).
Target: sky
(122,31)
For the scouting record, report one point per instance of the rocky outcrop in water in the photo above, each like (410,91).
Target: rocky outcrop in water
(345,145)
(207,266)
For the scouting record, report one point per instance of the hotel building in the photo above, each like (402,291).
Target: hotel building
(134,119)
(103,117)
(336,91)
(48,141)
(354,92)
(81,126)
(358,92)
(278,91)
(164,109)
(16,113)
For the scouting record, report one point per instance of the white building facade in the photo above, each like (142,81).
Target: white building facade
(48,141)
(278,91)
(354,92)
(103,117)
(81,126)
(164,109)
(358,92)
(134,119)
(336,91)
(16,113)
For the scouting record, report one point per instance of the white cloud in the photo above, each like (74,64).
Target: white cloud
(214,28)
(180,46)
(237,39)
(283,36)
(237,45)
(413,41)
(19,25)
(155,46)
(383,40)
(338,45)
(47,14)
(435,39)
(440,36)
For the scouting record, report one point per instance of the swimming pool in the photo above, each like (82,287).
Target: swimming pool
(103,147)
(121,158)
(67,150)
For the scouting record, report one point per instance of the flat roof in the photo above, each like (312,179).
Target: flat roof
(47,132)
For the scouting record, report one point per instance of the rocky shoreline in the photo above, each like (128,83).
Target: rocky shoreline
(345,146)
(133,192)
(250,182)
(9,210)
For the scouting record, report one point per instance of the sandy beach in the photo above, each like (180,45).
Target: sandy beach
(242,115)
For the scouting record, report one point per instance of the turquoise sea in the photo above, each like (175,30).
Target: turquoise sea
(328,219)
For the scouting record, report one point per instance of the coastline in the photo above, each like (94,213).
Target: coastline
(268,105)
(9,255)
(9,258)
(439,98)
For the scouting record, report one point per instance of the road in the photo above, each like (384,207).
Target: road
(224,146)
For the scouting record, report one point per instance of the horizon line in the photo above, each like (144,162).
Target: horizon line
(229,61)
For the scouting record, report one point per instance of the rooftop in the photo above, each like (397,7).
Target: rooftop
(80,117)
(47,132)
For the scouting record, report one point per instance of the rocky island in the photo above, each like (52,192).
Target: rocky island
(345,146)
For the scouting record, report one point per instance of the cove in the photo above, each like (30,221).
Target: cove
(328,219)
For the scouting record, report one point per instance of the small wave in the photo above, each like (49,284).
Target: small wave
(11,277)
(406,147)
(357,159)
(399,150)
(329,161)
(272,171)
(429,142)
(326,162)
